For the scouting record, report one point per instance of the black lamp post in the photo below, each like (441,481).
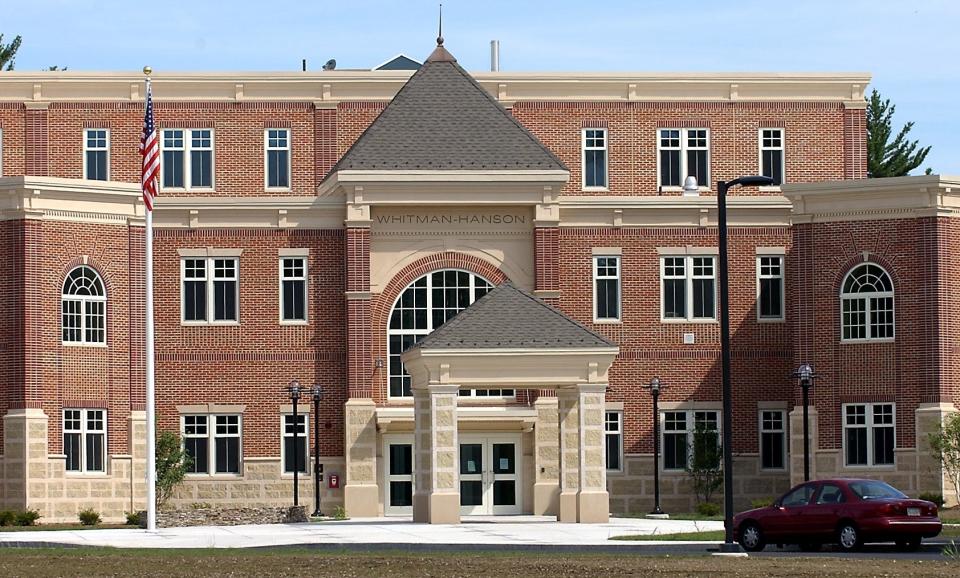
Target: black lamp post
(317,392)
(805,375)
(655,386)
(722,187)
(294,391)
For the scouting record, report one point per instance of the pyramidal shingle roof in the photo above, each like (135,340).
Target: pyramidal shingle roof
(442,119)
(510,318)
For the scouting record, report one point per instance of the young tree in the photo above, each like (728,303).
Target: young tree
(172,465)
(7,53)
(885,158)
(945,444)
(704,469)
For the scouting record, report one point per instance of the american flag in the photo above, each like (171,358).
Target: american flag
(150,151)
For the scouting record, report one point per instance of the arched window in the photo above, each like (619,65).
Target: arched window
(84,307)
(866,304)
(425,305)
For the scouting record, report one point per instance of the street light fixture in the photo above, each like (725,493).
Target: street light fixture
(317,393)
(805,375)
(293,390)
(655,386)
(722,187)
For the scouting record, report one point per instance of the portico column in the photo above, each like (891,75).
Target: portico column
(436,499)
(546,489)
(583,479)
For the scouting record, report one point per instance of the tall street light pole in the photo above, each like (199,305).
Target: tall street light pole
(317,392)
(655,386)
(805,375)
(294,390)
(722,187)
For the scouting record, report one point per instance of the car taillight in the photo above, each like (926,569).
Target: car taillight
(893,509)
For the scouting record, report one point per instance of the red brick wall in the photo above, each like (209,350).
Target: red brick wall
(12,125)
(251,363)
(11,317)
(948,318)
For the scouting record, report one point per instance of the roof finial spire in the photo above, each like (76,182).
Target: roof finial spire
(440,29)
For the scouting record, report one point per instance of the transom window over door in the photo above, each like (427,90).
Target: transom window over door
(866,304)
(84,308)
(423,306)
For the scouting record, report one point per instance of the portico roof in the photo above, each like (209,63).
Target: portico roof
(510,318)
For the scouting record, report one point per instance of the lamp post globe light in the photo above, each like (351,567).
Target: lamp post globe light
(805,375)
(293,390)
(655,386)
(722,188)
(317,393)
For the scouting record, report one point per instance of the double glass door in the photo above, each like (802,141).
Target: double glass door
(489,474)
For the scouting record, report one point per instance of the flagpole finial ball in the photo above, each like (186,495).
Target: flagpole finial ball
(147,70)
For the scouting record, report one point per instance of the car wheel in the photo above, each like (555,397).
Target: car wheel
(848,537)
(909,544)
(751,537)
(810,546)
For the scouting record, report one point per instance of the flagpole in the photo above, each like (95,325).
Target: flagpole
(151,394)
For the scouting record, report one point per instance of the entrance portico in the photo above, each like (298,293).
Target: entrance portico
(510,339)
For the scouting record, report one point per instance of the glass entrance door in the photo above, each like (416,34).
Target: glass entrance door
(489,475)
(398,454)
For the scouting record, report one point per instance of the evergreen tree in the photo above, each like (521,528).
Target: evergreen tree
(7,53)
(885,158)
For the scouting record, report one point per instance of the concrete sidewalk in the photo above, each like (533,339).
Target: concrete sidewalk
(530,531)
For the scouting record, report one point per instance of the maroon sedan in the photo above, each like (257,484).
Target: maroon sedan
(847,512)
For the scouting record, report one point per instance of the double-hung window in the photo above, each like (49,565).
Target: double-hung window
(85,439)
(187,159)
(683,152)
(771,154)
(606,288)
(96,154)
(773,439)
(866,302)
(689,288)
(613,436)
(679,439)
(277,158)
(212,442)
(293,289)
(210,287)
(770,297)
(869,434)
(594,158)
(295,447)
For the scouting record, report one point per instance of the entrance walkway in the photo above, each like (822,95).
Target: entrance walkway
(375,532)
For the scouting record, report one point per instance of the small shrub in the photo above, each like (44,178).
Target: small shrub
(708,509)
(339,513)
(200,506)
(952,551)
(26,518)
(932,497)
(133,518)
(761,503)
(7,517)
(89,517)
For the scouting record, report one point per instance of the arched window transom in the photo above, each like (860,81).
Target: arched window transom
(866,304)
(423,306)
(83,307)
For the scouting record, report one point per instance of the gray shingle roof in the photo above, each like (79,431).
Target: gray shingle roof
(510,318)
(442,119)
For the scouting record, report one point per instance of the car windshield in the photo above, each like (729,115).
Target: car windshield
(870,490)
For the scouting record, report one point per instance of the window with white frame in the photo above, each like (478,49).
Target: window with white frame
(773,439)
(869,434)
(486,393)
(96,154)
(613,438)
(295,447)
(683,152)
(83,308)
(85,439)
(689,288)
(1,152)
(293,289)
(594,158)
(770,294)
(187,159)
(606,288)
(212,442)
(866,304)
(771,154)
(423,306)
(277,158)
(210,289)
(678,430)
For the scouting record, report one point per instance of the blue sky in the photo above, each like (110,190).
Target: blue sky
(910,47)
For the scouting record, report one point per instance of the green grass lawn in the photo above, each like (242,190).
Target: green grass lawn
(45,527)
